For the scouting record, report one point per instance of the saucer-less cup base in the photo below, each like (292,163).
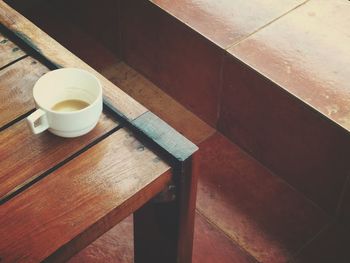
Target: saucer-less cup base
(60,85)
(72,134)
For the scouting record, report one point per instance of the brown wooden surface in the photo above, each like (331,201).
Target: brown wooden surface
(16,85)
(9,52)
(62,57)
(93,191)
(84,189)
(25,156)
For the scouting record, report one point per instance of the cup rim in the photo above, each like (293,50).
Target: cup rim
(71,112)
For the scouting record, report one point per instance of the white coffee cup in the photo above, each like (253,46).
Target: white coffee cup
(64,85)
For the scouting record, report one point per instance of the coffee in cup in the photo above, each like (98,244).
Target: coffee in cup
(68,101)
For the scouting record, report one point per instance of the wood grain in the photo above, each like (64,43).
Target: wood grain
(89,194)
(16,85)
(25,156)
(62,57)
(9,52)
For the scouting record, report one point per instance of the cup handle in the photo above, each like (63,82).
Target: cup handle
(38,116)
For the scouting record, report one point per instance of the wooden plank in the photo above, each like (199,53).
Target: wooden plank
(25,156)
(160,133)
(9,52)
(16,85)
(55,18)
(61,57)
(100,187)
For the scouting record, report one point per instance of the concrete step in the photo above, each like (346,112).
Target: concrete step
(271,78)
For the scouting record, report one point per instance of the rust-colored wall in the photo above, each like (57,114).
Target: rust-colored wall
(293,140)
(100,18)
(180,61)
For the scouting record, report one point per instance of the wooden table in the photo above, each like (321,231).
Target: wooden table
(58,195)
